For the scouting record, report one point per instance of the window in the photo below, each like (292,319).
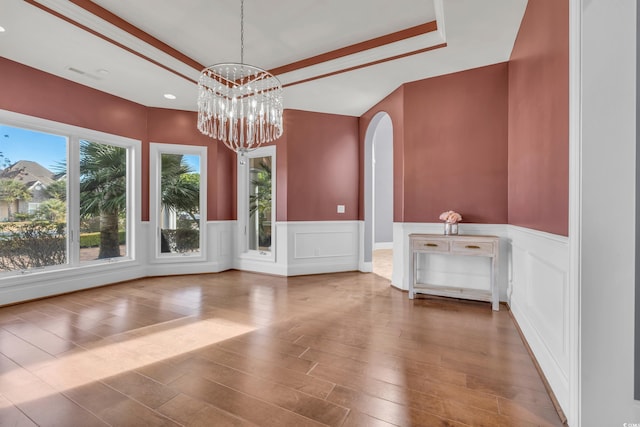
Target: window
(65,195)
(178,189)
(256,202)
(33,210)
(103,201)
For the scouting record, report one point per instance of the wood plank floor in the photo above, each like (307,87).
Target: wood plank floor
(243,349)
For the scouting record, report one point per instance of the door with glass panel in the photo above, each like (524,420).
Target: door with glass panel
(256,202)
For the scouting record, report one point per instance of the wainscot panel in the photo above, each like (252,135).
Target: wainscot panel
(313,247)
(539,302)
(216,251)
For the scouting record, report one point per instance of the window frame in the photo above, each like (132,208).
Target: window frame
(74,173)
(243,204)
(156,150)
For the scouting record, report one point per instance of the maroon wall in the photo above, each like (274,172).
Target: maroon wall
(393,105)
(491,142)
(35,93)
(38,94)
(450,146)
(321,156)
(179,127)
(455,143)
(539,119)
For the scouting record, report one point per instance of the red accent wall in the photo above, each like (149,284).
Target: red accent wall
(28,91)
(455,143)
(539,119)
(179,127)
(318,167)
(450,146)
(35,93)
(393,105)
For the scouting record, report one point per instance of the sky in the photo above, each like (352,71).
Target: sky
(46,149)
(22,144)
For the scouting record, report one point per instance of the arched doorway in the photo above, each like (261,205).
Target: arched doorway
(378,194)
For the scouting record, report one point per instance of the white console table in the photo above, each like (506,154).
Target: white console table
(469,245)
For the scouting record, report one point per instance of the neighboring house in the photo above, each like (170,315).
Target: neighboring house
(36,178)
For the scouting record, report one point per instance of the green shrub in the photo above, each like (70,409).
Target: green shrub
(32,245)
(181,240)
(92,240)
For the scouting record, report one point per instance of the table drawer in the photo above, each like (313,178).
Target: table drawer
(470,248)
(430,245)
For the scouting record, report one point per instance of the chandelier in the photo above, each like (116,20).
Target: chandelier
(239,104)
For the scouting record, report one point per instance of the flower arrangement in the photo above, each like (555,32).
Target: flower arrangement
(451,217)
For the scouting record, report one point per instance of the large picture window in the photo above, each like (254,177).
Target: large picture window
(65,195)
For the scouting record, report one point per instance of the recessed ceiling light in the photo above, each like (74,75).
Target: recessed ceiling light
(169,96)
(2,30)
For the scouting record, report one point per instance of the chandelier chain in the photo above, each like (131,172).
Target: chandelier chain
(241,31)
(239,105)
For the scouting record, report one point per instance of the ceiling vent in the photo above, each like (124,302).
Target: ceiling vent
(84,73)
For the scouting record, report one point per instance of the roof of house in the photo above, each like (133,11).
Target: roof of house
(28,172)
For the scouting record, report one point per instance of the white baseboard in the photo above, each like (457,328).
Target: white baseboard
(62,281)
(382,245)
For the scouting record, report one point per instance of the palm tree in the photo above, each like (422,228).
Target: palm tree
(260,198)
(103,171)
(180,193)
(12,191)
(180,187)
(103,189)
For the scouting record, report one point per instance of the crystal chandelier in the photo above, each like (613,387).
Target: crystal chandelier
(239,104)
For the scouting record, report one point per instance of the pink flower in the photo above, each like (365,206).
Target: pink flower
(451,217)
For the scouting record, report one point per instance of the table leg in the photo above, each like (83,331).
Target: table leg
(495,294)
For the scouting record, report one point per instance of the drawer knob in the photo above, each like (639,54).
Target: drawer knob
(431,245)
(472,247)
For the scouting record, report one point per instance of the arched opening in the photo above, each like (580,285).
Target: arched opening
(378,195)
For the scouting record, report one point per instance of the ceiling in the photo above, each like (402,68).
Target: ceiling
(332,56)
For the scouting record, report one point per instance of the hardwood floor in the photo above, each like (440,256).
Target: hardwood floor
(242,349)
(383,263)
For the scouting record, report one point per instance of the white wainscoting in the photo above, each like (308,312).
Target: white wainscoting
(217,253)
(363,266)
(540,304)
(313,247)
